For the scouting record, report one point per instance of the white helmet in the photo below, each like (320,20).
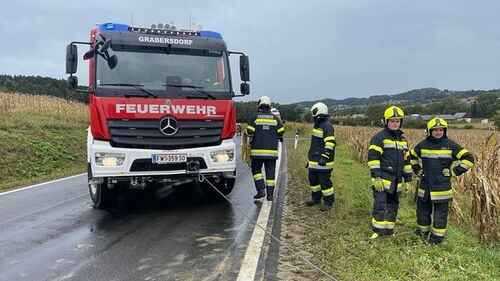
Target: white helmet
(264,100)
(275,111)
(319,108)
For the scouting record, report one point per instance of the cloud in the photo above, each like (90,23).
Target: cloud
(298,50)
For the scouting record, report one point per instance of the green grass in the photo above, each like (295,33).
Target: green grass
(36,147)
(339,241)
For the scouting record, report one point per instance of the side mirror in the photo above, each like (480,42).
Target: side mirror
(245,88)
(105,46)
(244,68)
(112,61)
(73,82)
(71,59)
(89,54)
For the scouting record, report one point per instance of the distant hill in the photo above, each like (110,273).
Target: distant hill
(424,95)
(479,103)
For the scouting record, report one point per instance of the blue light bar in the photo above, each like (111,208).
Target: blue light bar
(156,31)
(210,34)
(109,26)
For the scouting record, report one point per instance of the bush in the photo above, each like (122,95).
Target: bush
(497,121)
(468,127)
(416,124)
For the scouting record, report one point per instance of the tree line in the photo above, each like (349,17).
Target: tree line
(38,85)
(484,104)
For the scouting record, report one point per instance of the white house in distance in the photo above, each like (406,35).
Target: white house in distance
(459,116)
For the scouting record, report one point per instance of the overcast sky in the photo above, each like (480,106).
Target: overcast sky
(299,50)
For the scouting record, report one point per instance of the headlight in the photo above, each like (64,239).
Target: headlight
(226,155)
(109,159)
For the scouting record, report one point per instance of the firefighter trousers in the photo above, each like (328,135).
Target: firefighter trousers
(385,211)
(433,213)
(321,186)
(270,170)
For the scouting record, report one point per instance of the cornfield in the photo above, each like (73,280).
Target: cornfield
(12,103)
(245,147)
(477,193)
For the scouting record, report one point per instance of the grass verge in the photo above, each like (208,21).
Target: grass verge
(39,145)
(338,242)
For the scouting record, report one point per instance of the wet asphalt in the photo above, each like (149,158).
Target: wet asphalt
(51,232)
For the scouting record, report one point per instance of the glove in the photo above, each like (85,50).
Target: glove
(456,169)
(446,172)
(378,184)
(405,187)
(322,161)
(420,173)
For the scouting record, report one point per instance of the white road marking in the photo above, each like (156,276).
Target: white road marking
(41,184)
(250,262)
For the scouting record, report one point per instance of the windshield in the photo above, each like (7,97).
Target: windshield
(167,72)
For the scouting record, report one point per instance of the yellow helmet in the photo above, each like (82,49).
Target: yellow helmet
(435,123)
(393,112)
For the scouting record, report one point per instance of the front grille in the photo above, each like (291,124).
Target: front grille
(146,165)
(145,134)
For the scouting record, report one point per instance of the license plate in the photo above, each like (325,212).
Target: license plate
(169,158)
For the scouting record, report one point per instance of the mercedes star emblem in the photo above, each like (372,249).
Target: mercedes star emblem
(168,126)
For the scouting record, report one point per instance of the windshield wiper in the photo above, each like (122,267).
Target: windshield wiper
(197,88)
(139,87)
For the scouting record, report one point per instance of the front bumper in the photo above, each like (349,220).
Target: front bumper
(138,161)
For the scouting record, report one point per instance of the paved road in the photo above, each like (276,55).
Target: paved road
(51,232)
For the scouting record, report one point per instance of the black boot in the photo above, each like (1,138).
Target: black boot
(325,207)
(435,240)
(315,199)
(422,234)
(260,194)
(328,203)
(388,232)
(270,193)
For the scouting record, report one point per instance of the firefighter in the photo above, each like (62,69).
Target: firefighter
(390,168)
(265,131)
(238,129)
(436,159)
(321,157)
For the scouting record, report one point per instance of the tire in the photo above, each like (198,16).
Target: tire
(228,186)
(198,194)
(100,195)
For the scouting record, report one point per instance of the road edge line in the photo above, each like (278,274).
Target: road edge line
(40,184)
(248,268)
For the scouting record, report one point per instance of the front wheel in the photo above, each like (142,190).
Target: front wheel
(228,185)
(99,194)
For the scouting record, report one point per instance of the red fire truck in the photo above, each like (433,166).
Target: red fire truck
(161,109)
